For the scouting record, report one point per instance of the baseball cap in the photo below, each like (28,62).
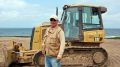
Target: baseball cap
(54,17)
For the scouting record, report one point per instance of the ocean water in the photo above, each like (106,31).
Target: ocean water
(109,33)
(15,31)
(28,32)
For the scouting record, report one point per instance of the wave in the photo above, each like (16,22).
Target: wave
(112,37)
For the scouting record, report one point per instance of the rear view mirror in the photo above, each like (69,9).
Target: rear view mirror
(103,9)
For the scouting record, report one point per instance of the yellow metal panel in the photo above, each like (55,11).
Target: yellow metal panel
(89,36)
(37,39)
(94,36)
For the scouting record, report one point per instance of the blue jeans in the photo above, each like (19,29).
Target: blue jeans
(51,62)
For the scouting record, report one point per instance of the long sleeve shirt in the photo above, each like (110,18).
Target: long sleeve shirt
(61,39)
(62,43)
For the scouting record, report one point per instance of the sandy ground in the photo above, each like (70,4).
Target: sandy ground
(9,41)
(112,46)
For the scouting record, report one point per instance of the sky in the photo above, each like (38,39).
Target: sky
(30,13)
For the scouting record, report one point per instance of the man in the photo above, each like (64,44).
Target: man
(54,43)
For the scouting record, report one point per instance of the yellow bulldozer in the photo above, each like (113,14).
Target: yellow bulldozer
(84,32)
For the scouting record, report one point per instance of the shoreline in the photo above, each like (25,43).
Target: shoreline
(15,36)
(117,37)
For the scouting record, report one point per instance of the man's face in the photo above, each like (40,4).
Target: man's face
(53,22)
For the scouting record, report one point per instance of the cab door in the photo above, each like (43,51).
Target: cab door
(71,24)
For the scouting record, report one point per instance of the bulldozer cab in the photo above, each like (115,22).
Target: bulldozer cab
(78,19)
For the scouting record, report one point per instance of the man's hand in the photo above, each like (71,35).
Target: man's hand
(58,58)
(43,49)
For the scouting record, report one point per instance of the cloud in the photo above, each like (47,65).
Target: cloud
(12,4)
(5,15)
(16,9)
(112,18)
(21,12)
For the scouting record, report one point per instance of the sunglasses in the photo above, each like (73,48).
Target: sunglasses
(52,19)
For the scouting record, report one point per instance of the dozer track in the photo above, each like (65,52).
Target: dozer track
(84,57)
